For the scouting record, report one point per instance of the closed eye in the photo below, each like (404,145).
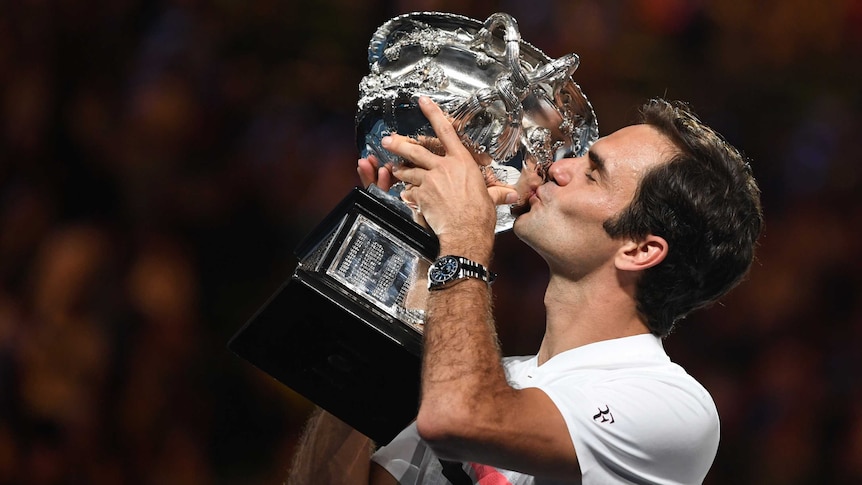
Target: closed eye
(597,164)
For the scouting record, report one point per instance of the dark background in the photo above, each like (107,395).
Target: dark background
(159,161)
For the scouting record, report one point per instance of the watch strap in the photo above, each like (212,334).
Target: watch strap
(472,269)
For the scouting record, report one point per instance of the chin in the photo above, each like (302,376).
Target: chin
(521,227)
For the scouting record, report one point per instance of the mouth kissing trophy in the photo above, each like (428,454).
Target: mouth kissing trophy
(345,330)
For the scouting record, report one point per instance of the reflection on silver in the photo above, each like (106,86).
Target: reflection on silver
(506,97)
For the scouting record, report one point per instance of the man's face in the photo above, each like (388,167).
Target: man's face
(564,223)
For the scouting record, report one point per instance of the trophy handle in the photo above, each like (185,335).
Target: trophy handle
(512,38)
(555,71)
(510,88)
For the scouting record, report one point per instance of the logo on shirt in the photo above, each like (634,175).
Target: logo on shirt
(604,416)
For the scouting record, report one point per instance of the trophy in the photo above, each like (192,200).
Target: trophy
(345,330)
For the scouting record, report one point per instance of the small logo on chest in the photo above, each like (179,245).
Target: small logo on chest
(604,416)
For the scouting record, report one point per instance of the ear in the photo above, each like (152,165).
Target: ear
(640,255)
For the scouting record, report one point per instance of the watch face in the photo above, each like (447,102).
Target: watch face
(444,269)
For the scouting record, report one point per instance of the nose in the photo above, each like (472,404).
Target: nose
(560,171)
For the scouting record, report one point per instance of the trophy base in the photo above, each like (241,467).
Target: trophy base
(334,347)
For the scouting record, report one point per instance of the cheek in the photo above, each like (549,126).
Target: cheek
(610,203)
(595,207)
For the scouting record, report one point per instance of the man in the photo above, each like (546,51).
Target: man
(656,220)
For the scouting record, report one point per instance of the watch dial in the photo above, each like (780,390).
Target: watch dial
(444,269)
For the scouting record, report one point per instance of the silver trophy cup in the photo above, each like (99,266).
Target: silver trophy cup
(506,98)
(345,330)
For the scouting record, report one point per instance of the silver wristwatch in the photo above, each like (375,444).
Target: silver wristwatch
(448,270)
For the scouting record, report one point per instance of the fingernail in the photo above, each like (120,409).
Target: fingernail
(424,100)
(386,140)
(511,198)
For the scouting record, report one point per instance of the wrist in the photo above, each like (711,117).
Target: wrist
(478,249)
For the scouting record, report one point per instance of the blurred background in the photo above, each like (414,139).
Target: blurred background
(159,161)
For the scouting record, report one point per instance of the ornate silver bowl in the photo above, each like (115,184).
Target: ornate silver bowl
(506,98)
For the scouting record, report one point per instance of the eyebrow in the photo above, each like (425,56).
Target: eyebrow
(598,161)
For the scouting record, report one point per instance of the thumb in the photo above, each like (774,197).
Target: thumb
(502,194)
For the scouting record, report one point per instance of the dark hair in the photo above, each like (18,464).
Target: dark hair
(705,203)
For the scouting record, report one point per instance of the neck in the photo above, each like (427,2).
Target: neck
(585,311)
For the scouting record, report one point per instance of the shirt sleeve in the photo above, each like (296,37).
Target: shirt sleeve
(410,460)
(639,430)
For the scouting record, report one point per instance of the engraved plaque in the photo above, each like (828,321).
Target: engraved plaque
(345,331)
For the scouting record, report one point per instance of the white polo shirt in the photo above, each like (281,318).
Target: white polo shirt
(633,416)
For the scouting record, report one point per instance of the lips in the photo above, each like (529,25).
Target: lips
(526,203)
(536,193)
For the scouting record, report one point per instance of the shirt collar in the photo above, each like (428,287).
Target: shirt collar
(641,349)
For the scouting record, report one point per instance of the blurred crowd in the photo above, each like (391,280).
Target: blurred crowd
(159,161)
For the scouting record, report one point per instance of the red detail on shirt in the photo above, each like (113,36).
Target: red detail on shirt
(488,475)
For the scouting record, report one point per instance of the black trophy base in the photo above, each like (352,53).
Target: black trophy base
(343,354)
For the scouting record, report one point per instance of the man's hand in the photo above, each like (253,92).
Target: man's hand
(447,188)
(371,173)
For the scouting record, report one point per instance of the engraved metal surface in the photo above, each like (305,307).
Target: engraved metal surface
(379,268)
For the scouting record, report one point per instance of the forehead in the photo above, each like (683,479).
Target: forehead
(632,150)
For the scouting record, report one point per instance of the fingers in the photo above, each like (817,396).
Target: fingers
(409,149)
(367,172)
(482,159)
(384,178)
(407,196)
(425,151)
(503,194)
(370,173)
(409,175)
(432,144)
(442,126)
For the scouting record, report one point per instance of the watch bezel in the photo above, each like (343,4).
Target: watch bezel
(444,269)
